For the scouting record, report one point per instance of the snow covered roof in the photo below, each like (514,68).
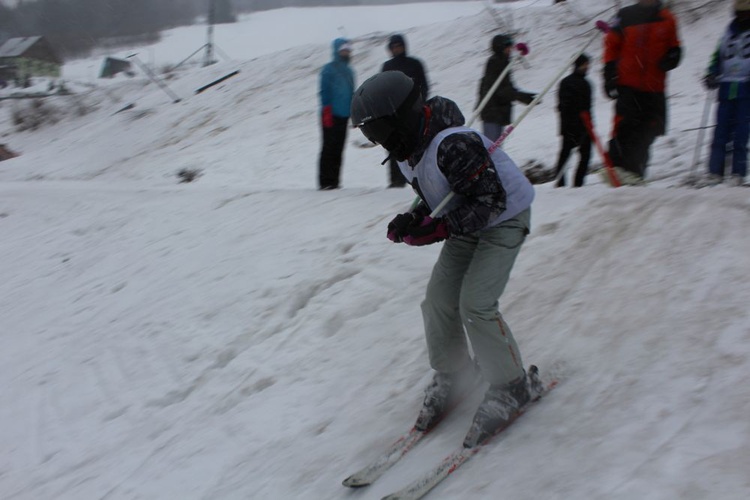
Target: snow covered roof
(15,47)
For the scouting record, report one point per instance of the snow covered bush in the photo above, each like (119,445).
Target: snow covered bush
(33,114)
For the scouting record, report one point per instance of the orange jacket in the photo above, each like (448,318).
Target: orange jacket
(643,44)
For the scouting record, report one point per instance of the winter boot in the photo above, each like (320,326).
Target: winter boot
(501,405)
(736,180)
(709,180)
(443,393)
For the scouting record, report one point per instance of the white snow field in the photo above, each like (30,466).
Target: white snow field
(245,336)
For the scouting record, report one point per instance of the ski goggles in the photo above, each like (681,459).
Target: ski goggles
(381,131)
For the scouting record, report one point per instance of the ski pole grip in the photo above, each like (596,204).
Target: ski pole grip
(522,48)
(602,26)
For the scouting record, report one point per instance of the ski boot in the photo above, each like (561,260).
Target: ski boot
(501,405)
(443,393)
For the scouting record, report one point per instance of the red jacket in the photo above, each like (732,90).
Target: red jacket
(642,46)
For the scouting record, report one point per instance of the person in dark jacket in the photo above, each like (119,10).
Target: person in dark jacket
(639,50)
(336,88)
(483,227)
(574,98)
(498,112)
(414,69)
(729,72)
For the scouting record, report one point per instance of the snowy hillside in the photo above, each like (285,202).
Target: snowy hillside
(247,336)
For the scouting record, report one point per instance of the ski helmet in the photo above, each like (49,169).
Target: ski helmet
(388,109)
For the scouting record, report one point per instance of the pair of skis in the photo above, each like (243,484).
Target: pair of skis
(424,484)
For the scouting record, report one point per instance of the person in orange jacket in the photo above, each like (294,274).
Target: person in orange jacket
(639,50)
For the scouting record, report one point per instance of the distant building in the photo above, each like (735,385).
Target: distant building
(112,66)
(30,56)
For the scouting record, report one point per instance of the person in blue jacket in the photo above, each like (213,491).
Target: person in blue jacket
(336,89)
(730,73)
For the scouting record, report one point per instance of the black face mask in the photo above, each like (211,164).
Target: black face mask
(398,137)
(344,57)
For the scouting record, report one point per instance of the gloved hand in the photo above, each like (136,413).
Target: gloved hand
(610,90)
(328,116)
(526,97)
(427,231)
(397,228)
(711,81)
(671,59)
(610,79)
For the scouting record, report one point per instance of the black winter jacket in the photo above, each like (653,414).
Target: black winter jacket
(574,96)
(412,68)
(499,107)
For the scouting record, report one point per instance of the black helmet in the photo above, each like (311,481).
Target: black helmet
(388,109)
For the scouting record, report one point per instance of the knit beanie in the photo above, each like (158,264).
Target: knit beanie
(397,39)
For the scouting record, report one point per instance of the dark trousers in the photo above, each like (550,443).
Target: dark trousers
(640,118)
(397,178)
(732,127)
(569,143)
(332,153)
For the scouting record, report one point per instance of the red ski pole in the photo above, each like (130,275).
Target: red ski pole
(586,117)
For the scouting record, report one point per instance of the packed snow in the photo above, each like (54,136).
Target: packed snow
(245,335)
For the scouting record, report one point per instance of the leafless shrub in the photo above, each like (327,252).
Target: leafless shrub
(33,114)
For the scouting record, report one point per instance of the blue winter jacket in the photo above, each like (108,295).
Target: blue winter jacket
(337,83)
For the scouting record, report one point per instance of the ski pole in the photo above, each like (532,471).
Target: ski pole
(601,26)
(586,117)
(704,120)
(523,50)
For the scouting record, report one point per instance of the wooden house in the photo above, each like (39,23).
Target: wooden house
(30,56)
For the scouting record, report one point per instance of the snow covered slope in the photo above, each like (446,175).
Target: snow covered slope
(246,336)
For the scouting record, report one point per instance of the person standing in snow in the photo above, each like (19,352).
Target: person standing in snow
(639,50)
(729,71)
(414,69)
(336,88)
(498,112)
(483,227)
(574,98)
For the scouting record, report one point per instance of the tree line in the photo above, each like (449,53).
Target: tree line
(74,27)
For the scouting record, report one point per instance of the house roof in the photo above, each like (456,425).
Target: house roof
(15,47)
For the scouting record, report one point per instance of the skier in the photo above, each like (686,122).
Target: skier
(498,111)
(414,69)
(574,97)
(639,50)
(483,227)
(336,88)
(730,73)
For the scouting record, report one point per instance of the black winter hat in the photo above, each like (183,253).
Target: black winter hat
(396,39)
(500,42)
(581,60)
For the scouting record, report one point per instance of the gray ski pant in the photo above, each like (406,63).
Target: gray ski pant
(462,295)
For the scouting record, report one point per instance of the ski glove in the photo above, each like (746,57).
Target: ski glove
(526,97)
(610,79)
(427,232)
(711,82)
(328,116)
(671,59)
(397,228)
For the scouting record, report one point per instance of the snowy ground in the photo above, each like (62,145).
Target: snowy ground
(246,336)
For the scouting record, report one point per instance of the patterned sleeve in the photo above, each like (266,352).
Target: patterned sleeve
(467,165)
